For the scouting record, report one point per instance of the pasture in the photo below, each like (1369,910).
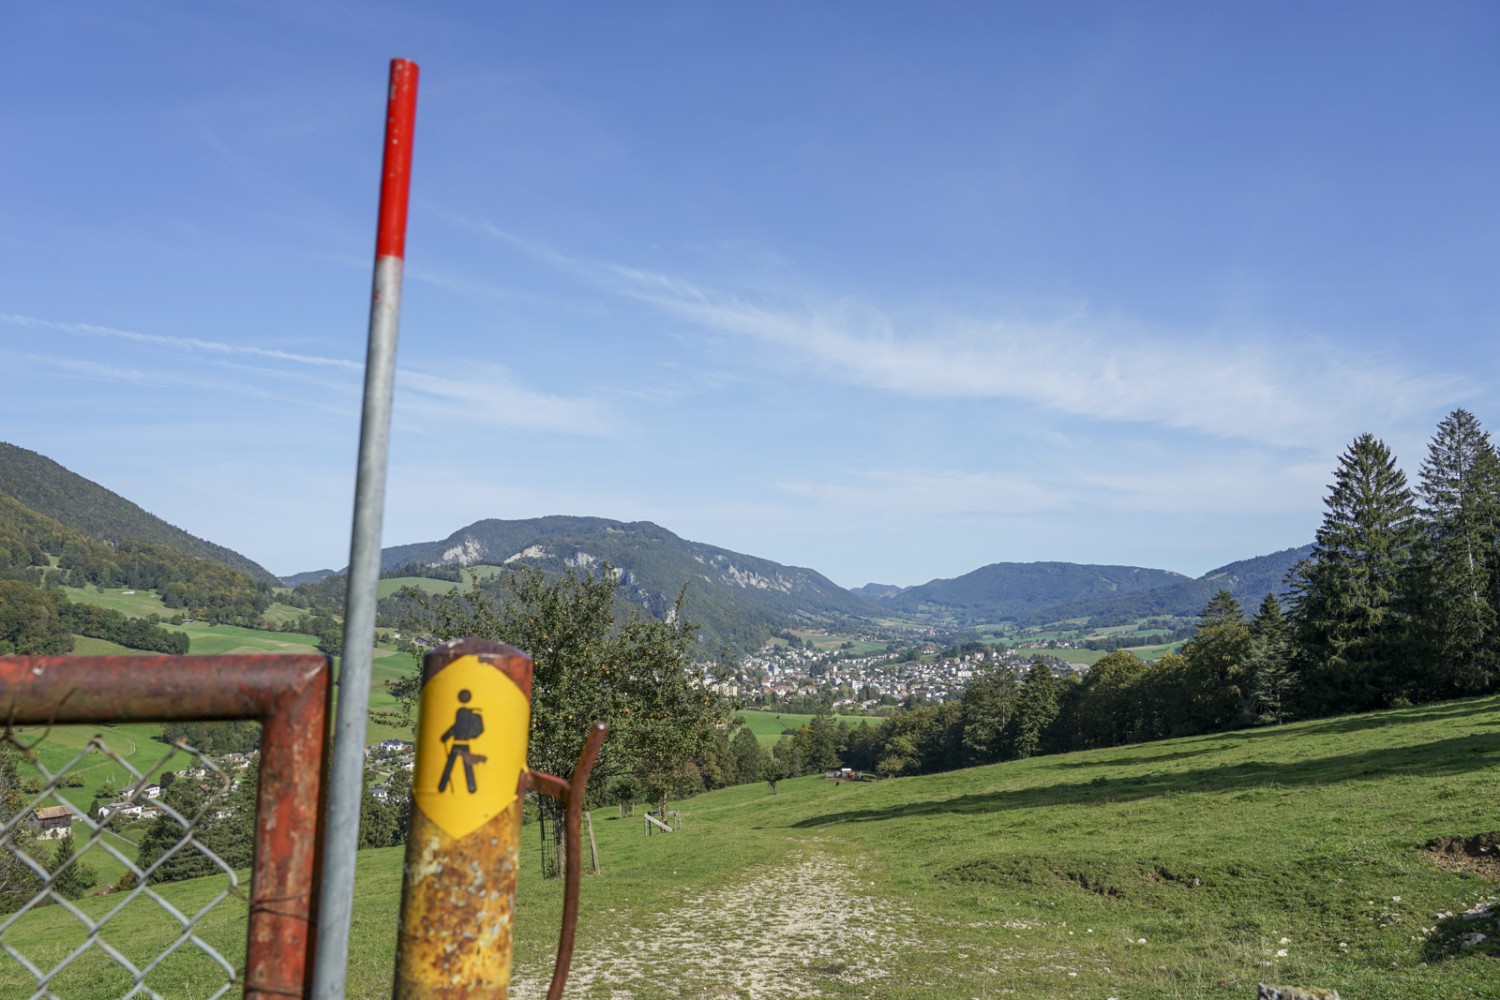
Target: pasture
(1187,868)
(768,727)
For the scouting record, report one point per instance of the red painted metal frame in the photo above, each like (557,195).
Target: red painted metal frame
(289,695)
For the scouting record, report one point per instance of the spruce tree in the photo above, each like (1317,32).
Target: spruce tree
(1036,707)
(1216,667)
(1451,578)
(1268,666)
(1347,596)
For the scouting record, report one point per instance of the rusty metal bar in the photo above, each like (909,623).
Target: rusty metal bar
(288,694)
(572,798)
(346,776)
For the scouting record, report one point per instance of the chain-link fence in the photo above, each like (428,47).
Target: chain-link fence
(95,847)
(125,842)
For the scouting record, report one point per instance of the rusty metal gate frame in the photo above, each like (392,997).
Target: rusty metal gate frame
(289,694)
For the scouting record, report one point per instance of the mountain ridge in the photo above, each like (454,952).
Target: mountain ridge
(49,488)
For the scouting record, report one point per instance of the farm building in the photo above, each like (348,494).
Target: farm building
(52,822)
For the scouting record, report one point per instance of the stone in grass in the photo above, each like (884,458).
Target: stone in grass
(1267,992)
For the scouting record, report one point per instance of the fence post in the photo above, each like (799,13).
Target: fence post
(463,844)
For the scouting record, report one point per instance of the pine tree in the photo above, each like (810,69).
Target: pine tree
(70,881)
(1036,707)
(1268,666)
(1456,562)
(988,704)
(1216,667)
(1347,595)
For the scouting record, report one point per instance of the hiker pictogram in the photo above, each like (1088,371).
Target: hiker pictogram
(467,726)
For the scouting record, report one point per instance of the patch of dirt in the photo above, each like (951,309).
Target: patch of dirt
(771,937)
(1479,854)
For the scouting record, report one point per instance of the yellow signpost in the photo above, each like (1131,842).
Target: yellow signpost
(463,844)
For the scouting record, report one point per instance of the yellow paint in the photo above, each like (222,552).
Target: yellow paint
(495,757)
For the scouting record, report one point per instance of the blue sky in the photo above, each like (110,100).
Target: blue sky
(890,291)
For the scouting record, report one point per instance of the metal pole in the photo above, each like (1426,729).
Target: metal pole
(341,820)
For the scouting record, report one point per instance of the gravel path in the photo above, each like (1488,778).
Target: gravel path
(775,936)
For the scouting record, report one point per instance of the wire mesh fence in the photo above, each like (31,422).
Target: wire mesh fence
(95,826)
(144,853)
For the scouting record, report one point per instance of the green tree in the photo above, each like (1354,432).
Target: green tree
(749,757)
(1219,695)
(817,743)
(782,763)
(70,881)
(900,756)
(18,883)
(1110,708)
(1347,596)
(1456,559)
(1268,666)
(221,809)
(988,704)
(31,621)
(1036,707)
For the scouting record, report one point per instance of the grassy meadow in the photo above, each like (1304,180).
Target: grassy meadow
(1187,868)
(769,726)
(388,663)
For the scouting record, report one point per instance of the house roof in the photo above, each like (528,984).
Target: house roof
(53,812)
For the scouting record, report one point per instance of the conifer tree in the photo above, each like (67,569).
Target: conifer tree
(1451,578)
(1036,707)
(1216,666)
(1347,596)
(70,881)
(988,704)
(1268,666)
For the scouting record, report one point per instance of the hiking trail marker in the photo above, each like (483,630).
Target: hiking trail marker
(463,843)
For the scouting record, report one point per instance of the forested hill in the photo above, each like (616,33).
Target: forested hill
(1008,591)
(41,484)
(738,599)
(1248,581)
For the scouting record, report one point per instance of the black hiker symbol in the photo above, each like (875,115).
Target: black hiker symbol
(467,725)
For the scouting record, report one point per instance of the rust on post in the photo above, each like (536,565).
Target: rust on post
(288,694)
(463,844)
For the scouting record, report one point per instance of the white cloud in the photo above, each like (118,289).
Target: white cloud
(1264,389)
(1259,385)
(485,394)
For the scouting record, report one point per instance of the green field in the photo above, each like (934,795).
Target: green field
(1187,868)
(135,603)
(84,645)
(1085,656)
(769,726)
(57,748)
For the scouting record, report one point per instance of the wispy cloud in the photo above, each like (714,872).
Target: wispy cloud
(1258,385)
(191,344)
(485,394)
(1259,389)
(1242,482)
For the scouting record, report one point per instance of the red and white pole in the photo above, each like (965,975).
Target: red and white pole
(346,773)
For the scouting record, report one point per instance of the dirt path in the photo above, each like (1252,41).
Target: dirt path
(774,936)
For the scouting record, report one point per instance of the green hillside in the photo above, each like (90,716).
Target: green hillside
(1187,868)
(1248,581)
(88,508)
(1003,591)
